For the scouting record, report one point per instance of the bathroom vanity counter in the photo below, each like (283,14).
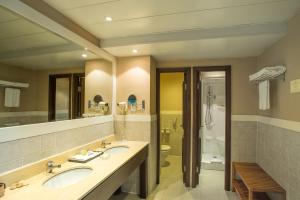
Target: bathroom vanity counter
(107,175)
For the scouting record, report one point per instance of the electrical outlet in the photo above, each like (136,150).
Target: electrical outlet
(295,86)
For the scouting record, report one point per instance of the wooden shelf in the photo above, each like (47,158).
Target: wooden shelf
(254,183)
(243,192)
(240,189)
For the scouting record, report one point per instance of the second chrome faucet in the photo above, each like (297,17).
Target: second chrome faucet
(51,165)
(103,144)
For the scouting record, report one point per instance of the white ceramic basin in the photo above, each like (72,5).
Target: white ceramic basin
(68,177)
(116,149)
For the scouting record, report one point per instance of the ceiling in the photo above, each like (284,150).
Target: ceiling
(50,60)
(25,44)
(231,47)
(182,29)
(150,25)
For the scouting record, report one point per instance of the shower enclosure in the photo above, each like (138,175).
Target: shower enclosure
(213,121)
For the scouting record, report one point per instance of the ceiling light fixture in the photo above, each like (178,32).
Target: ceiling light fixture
(84,55)
(108,19)
(135,51)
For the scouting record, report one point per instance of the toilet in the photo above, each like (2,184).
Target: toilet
(164,152)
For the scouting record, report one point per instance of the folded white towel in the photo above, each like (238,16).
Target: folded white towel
(264,95)
(12,97)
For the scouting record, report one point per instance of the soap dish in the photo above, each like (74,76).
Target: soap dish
(79,158)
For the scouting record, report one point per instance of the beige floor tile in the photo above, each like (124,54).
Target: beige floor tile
(210,187)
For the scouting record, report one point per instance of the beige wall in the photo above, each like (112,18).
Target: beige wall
(171,91)
(244,93)
(284,105)
(135,75)
(98,81)
(18,74)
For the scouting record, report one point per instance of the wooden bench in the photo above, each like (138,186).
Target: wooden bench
(254,183)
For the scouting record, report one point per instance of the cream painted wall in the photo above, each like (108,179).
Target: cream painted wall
(284,105)
(171,91)
(244,94)
(98,80)
(136,75)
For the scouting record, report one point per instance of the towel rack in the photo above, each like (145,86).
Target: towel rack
(268,73)
(13,84)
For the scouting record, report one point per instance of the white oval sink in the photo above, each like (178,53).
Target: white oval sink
(116,149)
(68,177)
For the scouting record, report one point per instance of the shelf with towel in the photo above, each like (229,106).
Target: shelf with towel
(13,84)
(263,78)
(268,73)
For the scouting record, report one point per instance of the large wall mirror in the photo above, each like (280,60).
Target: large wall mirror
(44,77)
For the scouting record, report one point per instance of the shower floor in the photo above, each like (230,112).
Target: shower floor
(212,162)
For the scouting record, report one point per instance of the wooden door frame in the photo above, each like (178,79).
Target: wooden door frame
(187,116)
(76,77)
(52,94)
(196,124)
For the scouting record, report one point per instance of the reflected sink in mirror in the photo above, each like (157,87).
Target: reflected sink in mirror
(116,150)
(68,177)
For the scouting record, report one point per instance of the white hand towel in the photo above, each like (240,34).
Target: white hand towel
(264,95)
(12,97)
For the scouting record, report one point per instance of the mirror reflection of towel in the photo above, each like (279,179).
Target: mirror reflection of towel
(264,95)
(12,97)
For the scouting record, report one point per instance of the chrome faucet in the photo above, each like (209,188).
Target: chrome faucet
(51,165)
(103,144)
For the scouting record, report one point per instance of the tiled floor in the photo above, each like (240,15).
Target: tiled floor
(210,187)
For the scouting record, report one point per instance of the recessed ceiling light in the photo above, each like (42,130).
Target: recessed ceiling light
(84,55)
(108,18)
(86,48)
(135,51)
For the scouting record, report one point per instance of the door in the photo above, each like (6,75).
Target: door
(60,97)
(78,95)
(196,146)
(186,125)
(196,164)
(186,121)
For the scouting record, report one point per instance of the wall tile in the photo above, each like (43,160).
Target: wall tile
(48,145)
(278,153)
(243,141)
(9,151)
(276,150)
(31,145)
(30,158)
(173,123)
(24,151)
(140,131)
(9,165)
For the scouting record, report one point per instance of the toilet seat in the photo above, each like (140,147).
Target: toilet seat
(165,148)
